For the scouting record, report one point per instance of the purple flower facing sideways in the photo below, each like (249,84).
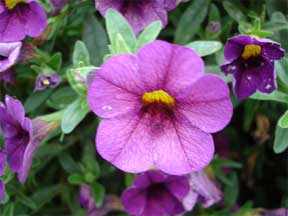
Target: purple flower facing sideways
(9,54)
(251,60)
(276,212)
(21,18)
(2,169)
(44,81)
(158,108)
(202,190)
(139,13)
(22,136)
(57,6)
(86,200)
(155,193)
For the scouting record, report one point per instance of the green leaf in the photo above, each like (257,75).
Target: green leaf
(222,162)
(231,191)
(117,24)
(234,11)
(76,179)
(281,139)
(95,39)
(120,46)
(274,96)
(36,99)
(92,165)
(149,34)
(55,62)
(74,114)
(8,210)
(80,55)
(45,195)
(283,121)
(67,163)
(205,48)
(282,70)
(190,21)
(98,192)
(61,98)
(129,178)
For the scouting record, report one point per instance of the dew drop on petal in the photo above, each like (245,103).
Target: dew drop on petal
(268,86)
(107,107)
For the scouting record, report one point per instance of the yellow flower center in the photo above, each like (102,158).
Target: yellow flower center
(46,82)
(158,96)
(251,51)
(10,4)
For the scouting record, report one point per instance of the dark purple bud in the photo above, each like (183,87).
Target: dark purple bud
(214,27)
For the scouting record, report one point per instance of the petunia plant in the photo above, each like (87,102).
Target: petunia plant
(143,107)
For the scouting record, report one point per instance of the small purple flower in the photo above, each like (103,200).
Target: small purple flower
(139,13)
(2,169)
(214,27)
(21,18)
(87,201)
(22,136)
(156,193)
(251,60)
(202,190)
(57,6)
(167,105)
(44,81)
(9,54)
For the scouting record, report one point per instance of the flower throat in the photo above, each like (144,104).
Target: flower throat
(11,4)
(158,97)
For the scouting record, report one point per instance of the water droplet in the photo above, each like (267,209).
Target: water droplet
(268,86)
(249,77)
(107,107)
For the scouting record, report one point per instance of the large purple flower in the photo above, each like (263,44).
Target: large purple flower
(21,135)
(21,18)
(9,54)
(251,61)
(139,13)
(159,107)
(154,193)
(2,169)
(202,190)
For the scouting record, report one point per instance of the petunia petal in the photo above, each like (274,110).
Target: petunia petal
(116,88)
(169,67)
(15,109)
(2,163)
(126,142)
(178,186)
(182,148)
(207,104)
(272,51)
(134,201)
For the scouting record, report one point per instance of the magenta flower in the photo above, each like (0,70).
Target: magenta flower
(43,81)
(139,13)
(251,61)
(9,54)
(21,18)
(156,193)
(57,6)
(202,190)
(2,169)
(159,107)
(22,136)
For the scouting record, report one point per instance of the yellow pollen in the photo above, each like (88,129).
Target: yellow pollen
(10,4)
(46,82)
(158,96)
(251,51)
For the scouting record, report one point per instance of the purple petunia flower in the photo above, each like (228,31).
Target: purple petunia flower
(22,136)
(86,200)
(156,193)
(2,169)
(9,54)
(159,108)
(139,13)
(21,18)
(57,6)
(202,190)
(43,81)
(276,212)
(251,61)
